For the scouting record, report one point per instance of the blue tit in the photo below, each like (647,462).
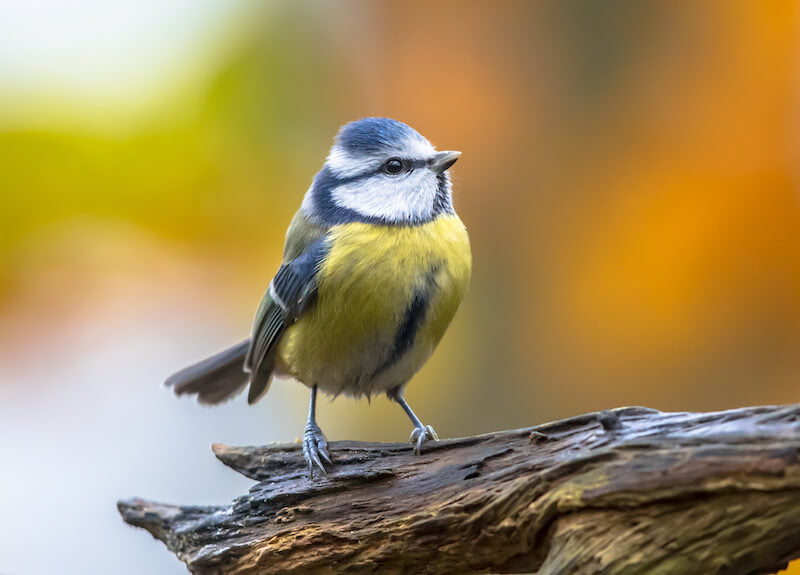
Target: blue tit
(375,265)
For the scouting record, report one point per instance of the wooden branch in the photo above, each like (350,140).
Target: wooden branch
(627,491)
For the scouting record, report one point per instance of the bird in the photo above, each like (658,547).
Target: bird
(375,264)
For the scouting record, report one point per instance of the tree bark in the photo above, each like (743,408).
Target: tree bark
(627,491)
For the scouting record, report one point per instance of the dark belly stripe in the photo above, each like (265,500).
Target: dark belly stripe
(412,321)
(415,315)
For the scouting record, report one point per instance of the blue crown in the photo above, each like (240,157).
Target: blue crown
(374,135)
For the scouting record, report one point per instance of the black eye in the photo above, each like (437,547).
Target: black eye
(393,166)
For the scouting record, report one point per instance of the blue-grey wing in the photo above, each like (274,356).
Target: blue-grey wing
(289,294)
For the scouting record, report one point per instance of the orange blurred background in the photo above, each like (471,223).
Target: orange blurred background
(630,181)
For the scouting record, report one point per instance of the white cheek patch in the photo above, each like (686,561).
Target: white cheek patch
(395,199)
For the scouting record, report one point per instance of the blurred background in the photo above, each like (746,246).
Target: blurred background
(630,181)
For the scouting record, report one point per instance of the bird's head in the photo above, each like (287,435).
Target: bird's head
(381,170)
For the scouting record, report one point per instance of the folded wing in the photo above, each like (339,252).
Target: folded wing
(291,292)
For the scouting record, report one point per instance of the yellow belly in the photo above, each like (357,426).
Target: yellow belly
(347,342)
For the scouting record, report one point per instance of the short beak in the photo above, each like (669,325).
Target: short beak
(443,160)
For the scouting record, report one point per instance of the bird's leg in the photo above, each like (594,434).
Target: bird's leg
(315,446)
(421,433)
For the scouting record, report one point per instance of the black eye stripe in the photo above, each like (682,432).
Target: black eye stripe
(408,165)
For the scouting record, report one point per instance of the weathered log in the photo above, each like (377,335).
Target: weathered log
(627,491)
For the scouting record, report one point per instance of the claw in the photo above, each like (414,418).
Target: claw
(315,449)
(420,435)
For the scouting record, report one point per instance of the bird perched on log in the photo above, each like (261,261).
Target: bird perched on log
(375,265)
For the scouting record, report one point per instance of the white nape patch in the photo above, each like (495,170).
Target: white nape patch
(308,201)
(404,198)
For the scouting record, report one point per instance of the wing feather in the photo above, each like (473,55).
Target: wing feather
(289,295)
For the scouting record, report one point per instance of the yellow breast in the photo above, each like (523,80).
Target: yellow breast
(369,286)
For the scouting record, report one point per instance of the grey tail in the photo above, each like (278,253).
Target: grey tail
(214,379)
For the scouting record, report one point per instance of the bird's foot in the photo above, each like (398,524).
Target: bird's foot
(420,435)
(315,449)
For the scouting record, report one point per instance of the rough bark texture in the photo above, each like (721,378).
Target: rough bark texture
(621,492)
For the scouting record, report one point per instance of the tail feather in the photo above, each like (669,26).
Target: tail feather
(214,379)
